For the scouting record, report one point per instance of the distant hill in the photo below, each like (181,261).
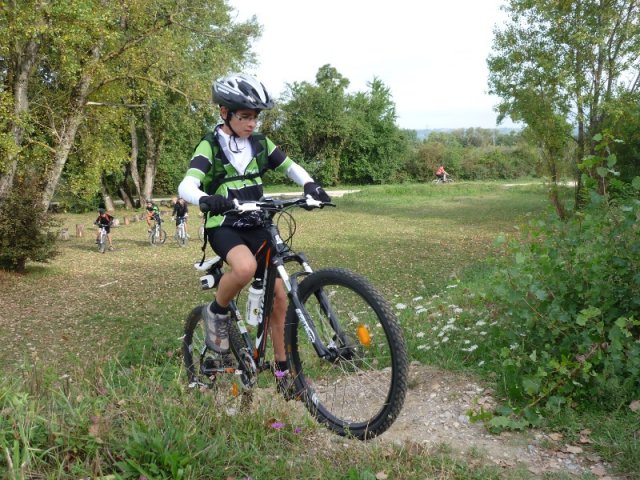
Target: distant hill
(422,134)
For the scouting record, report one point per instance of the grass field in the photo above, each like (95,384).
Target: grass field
(85,306)
(91,357)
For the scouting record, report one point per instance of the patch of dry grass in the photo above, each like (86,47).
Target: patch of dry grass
(85,306)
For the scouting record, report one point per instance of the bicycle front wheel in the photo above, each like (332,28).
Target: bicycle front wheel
(158,237)
(360,389)
(182,237)
(102,245)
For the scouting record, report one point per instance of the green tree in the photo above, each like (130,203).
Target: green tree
(376,147)
(85,51)
(557,67)
(337,136)
(26,231)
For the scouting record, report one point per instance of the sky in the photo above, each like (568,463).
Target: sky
(431,54)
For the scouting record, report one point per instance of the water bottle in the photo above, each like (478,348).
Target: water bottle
(254,302)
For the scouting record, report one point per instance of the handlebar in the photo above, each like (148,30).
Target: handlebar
(273,205)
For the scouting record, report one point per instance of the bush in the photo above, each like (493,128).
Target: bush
(25,229)
(570,306)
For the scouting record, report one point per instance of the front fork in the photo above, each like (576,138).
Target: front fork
(292,285)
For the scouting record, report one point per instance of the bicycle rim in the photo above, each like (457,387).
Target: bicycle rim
(205,368)
(360,393)
(102,246)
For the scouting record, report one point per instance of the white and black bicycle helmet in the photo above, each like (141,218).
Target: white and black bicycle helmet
(239,91)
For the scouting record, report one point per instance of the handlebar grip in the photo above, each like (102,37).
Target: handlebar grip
(204,208)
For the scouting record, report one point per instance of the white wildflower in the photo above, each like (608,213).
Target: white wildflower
(470,349)
(457,310)
(416,299)
(513,346)
(400,306)
(435,296)
(483,333)
(480,323)
(423,347)
(480,363)
(445,339)
(419,334)
(421,310)
(451,320)
(467,342)
(452,286)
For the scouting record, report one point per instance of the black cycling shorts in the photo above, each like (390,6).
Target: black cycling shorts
(223,239)
(106,227)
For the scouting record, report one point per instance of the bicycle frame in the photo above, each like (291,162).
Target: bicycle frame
(272,257)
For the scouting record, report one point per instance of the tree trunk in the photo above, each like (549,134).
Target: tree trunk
(128,204)
(133,162)
(68,135)
(25,64)
(108,201)
(151,158)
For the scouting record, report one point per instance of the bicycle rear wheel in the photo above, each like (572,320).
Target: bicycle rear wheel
(213,372)
(360,391)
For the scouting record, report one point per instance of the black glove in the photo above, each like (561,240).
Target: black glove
(215,204)
(316,192)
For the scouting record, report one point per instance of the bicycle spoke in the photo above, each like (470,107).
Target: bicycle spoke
(360,390)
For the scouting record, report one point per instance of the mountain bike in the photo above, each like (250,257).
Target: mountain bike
(440,180)
(157,235)
(346,355)
(102,239)
(181,232)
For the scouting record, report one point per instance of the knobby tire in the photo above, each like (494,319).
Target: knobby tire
(102,246)
(361,392)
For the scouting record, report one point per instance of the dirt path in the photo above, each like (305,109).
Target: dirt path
(434,419)
(434,415)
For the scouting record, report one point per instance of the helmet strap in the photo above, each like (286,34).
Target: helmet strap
(234,136)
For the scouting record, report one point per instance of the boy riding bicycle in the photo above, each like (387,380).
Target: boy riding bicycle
(180,213)
(442,174)
(153,214)
(228,164)
(104,220)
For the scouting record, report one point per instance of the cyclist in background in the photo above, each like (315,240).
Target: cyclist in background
(442,174)
(104,220)
(153,214)
(228,164)
(181,211)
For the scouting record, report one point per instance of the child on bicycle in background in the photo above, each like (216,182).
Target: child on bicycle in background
(180,212)
(228,164)
(442,174)
(153,213)
(104,220)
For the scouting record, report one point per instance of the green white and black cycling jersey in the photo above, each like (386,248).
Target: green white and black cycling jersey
(233,167)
